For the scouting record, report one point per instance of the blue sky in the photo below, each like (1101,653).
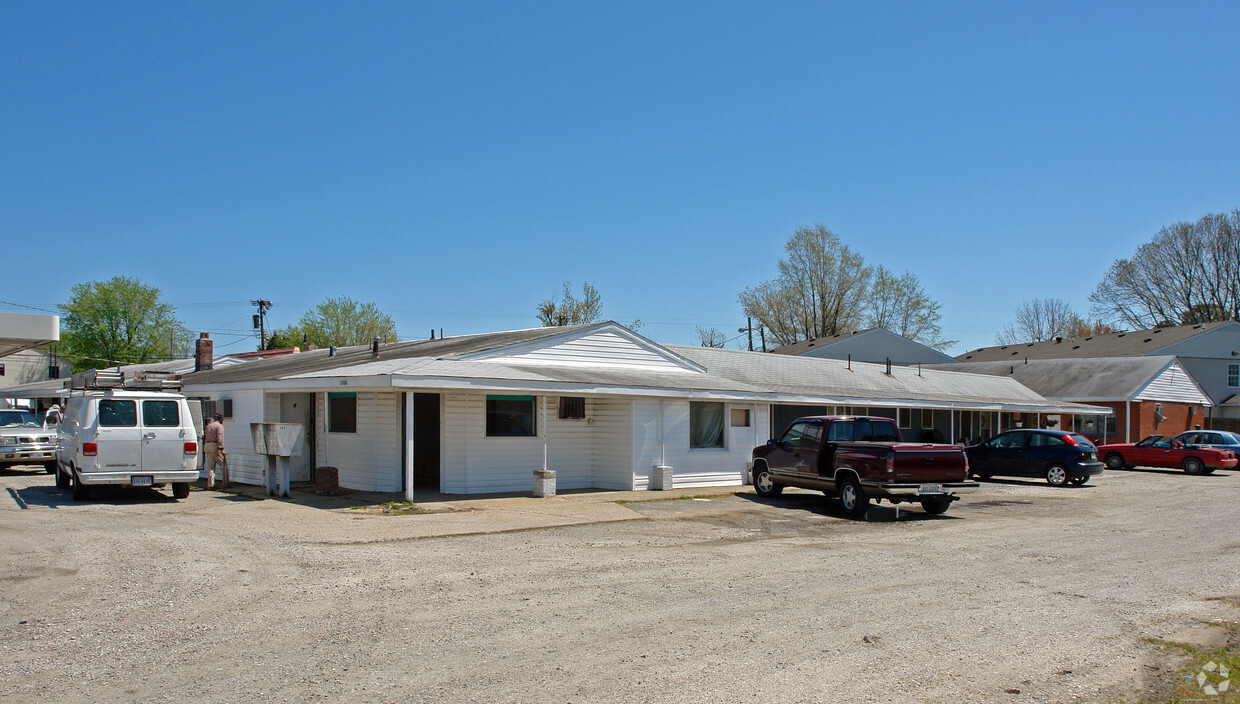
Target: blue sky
(455,163)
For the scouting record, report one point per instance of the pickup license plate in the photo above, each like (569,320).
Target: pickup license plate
(140,481)
(931,489)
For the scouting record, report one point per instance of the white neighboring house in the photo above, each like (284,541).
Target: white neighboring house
(597,403)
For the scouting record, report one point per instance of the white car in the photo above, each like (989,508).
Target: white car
(126,438)
(24,440)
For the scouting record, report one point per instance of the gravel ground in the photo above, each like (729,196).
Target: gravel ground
(1020,593)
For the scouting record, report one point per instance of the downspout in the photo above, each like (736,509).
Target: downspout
(1128,421)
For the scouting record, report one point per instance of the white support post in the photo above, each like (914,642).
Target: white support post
(544,432)
(410,424)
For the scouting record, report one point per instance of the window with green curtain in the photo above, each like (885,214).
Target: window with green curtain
(706,425)
(511,416)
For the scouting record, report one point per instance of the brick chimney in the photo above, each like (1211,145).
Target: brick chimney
(204,352)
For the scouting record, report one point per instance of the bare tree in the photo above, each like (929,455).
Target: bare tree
(899,304)
(818,292)
(570,310)
(1038,320)
(1188,273)
(710,338)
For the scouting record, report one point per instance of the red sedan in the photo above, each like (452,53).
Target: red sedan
(1162,451)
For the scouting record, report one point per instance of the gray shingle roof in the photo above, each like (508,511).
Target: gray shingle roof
(1094,379)
(805,345)
(1120,344)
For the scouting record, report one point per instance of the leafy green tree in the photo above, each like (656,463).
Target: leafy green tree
(568,309)
(120,321)
(340,322)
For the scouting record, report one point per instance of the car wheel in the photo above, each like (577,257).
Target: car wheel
(852,497)
(935,507)
(81,492)
(1077,481)
(764,483)
(982,476)
(1115,461)
(50,467)
(180,490)
(1208,470)
(1057,475)
(62,480)
(1192,465)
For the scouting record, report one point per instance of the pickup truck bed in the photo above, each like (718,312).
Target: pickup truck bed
(824,453)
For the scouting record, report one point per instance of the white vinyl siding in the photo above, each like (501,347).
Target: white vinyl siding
(1173,384)
(690,468)
(244,466)
(603,348)
(369,460)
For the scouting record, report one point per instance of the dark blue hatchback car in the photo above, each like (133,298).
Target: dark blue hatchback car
(1061,457)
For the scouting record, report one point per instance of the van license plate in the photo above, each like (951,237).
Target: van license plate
(141,481)
(930,489)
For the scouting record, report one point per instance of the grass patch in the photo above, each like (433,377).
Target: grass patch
(1205,673)
(667,498)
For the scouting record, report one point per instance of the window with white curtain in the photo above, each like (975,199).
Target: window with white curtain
(706,424)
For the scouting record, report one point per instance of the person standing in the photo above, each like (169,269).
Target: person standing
(213,451)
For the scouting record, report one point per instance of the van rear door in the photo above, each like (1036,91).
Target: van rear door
(117,436)
(163,443)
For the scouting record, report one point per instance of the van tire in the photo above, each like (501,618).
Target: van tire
(62,480)
(180,490)
(81,492)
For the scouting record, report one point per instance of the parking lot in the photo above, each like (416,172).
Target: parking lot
(1020,593)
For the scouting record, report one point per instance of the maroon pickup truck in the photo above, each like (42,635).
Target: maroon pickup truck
(858,459)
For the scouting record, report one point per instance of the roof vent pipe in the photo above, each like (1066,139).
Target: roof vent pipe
(432,333)
(331,351)
(374,347)
(889,366)
(850,362)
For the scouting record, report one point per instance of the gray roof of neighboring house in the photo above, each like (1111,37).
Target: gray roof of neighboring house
(804,346)
(1120,344)
(1097,378)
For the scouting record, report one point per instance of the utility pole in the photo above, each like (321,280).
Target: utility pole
(260,321)
(748,328)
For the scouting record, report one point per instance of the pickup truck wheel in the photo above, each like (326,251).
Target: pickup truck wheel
(1056,475)
(62,480)
(1192,465)
(81,492)
(180,490)
(763,483)
(1115,461)
(50,467)
(853,498)
(935,506)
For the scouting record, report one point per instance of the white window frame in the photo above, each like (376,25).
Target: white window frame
(1233,375)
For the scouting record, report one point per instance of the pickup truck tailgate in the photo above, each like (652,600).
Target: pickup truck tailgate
(928,463)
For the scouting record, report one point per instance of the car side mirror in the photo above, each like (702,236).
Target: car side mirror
(772,442)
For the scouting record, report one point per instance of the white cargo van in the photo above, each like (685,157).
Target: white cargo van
(128,438)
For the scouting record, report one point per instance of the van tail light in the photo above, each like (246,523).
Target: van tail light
(90,449)
(191,448)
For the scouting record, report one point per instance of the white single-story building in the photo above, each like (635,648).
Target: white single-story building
(597,403)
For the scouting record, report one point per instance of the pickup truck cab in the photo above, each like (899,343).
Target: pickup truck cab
(126,438)
(858,458)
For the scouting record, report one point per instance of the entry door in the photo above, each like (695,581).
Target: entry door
(299,408)
(426,442)
(119,438)
(163,441)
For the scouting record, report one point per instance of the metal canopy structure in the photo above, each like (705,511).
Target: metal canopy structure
(20,331)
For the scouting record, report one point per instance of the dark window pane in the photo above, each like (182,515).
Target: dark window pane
(342,413)
(114,413)
(160,414)
(510,416)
